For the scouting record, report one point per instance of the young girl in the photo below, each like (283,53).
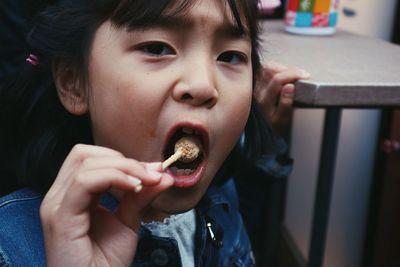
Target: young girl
(107,90)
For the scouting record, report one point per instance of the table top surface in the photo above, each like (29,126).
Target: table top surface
(346,69)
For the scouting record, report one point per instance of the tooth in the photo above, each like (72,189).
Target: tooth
(188,171)
(197,132)
(187,130)
(184,172)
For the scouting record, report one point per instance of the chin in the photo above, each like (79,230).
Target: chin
(178,200)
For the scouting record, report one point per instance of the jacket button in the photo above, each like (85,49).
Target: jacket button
(159,257)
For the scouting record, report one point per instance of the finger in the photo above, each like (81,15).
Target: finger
(267,73)
(87,186)
(268,89)
(283,114)
(286,99)
(289,76)
(148,173)
(267,96)
(131,204)
(80,152)
(74,159)
(273,67)
(271,93)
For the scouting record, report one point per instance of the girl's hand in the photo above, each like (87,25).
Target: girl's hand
(275,94)
(79,232)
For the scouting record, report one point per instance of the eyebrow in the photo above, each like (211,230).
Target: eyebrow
(228,30)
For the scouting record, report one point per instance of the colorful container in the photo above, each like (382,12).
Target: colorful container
(314,17)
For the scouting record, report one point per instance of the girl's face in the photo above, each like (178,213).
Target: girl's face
(189,75)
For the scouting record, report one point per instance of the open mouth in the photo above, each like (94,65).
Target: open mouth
(185,167)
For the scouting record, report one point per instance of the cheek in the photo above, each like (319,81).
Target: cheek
(236,115)
(238,107)
(237,98)
(121,113)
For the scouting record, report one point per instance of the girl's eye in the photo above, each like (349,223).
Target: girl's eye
(157,49)
(232,57)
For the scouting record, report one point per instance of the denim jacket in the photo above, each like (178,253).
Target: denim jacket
(221,238)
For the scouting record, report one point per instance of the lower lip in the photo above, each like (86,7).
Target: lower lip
(189,180)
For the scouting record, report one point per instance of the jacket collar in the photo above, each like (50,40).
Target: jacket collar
(215,195)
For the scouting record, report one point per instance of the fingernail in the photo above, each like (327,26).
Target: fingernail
(138,188)
(134,181)
(137,183)
(304,74)
(288,91)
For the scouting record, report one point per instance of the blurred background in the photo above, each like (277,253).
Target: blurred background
(364,220)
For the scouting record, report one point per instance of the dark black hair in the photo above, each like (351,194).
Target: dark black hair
(38,133)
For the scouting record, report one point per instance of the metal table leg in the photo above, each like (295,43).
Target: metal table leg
(324,187)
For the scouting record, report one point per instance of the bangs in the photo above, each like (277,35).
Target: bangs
(142,13)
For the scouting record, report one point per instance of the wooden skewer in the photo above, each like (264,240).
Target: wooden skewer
(177,155)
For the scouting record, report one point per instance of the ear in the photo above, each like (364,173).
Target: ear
(71,91)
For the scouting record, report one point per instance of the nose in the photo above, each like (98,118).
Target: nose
(197,85)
